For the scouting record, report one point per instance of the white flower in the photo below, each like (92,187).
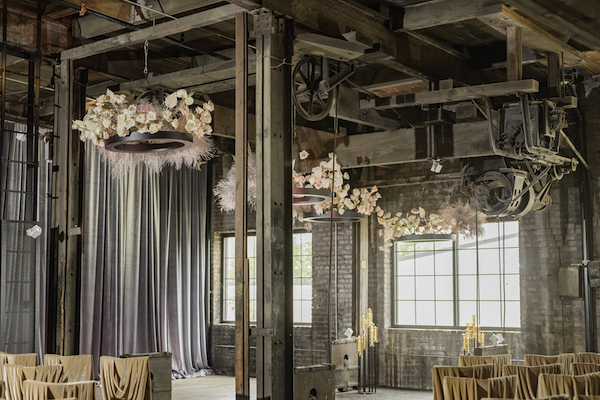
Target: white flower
(106,123)
(129,123)
(101,99)
(141,118)
(191,125)
(189,101)
(111,96)
(171,100)
(181,93)
(175,123)
(121,131)
(167,114)
(121,118)
(150,116)
(120,98)
(154,128)
(209,106)
(303,155)
(206,117)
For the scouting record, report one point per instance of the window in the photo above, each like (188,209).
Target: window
(435,283)
(302,269)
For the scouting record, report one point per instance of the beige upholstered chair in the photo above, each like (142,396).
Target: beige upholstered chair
(34,390)
(499,361)
(441,371)
(125,378)
(580,368)
(75,368)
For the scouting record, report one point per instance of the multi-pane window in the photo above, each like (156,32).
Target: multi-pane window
(444,283)
(302,270)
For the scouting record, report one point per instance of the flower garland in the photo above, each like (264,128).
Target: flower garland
(361,200)
(458,218)
(113,114)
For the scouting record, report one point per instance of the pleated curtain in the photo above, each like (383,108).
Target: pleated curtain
(144,264)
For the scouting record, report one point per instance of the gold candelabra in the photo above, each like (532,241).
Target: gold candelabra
(367,355)
(472,337)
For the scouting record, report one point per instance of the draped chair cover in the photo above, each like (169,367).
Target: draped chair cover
(580,368)
(554,384)
(527,378)
(504,387)
(441,371)
(593,358)
(34,390)
(75,368)
(13,378)
(125,378)
(44,373)
(591,383)
(26,360)
(458,388)
(566,359)
(499,361)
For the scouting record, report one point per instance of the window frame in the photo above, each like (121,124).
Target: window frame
(224,236)
(456,301)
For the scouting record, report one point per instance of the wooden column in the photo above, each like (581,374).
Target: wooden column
(514,54)
(68,209)
(274,333)
(242,318)
(554,75)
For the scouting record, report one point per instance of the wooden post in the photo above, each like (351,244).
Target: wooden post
(514,54)
(274,322)
(242,318)
(554,75)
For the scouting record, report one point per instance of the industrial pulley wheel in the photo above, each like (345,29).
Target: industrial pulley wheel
(311,100)
(493,192)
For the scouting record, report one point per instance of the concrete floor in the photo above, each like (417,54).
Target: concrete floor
(220,387)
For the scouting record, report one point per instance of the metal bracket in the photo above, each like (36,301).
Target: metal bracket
(256,332)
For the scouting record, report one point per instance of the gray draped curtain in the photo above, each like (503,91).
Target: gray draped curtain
(144,264)
(19,252)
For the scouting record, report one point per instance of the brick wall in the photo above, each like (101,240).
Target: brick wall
(548,240)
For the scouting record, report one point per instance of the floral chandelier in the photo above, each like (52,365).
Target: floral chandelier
(148,130)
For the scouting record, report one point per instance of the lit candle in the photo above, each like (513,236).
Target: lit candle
(375,330)
(473,319)
(358,345)
(369,317)
(364,340)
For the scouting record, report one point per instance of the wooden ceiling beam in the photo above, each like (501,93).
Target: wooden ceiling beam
(427,15)
(570,18)
(209,73)
(534,36)
(458,94)
(407,54)
(90,26)
(159,31)
(469,139)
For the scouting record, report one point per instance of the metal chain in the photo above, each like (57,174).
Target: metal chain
(146,58)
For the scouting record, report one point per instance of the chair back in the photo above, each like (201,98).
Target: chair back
(125,378)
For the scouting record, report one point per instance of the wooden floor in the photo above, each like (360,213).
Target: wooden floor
(219,387)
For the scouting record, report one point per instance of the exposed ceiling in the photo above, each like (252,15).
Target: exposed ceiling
(398,47)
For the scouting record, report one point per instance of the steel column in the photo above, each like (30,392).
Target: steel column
(274,338)
(242,346)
